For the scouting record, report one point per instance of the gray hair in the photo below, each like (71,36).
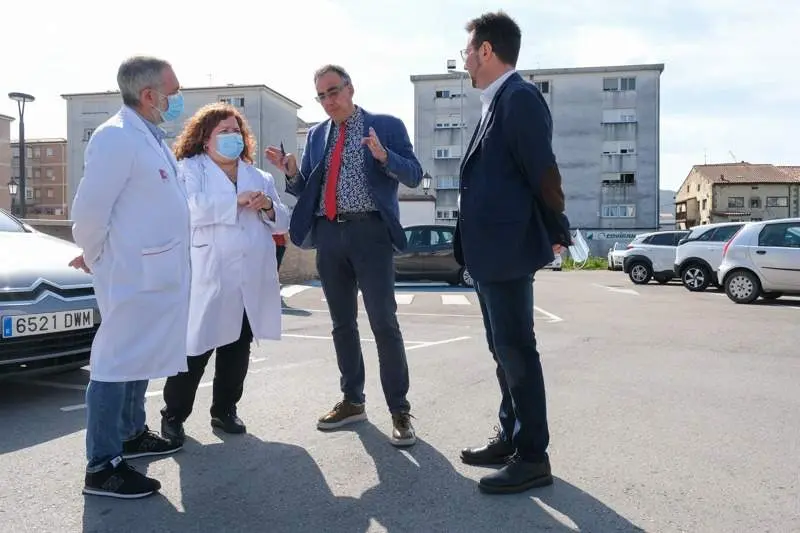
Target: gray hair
(336,69)
(138,73)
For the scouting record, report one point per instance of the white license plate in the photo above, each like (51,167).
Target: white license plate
(26,325)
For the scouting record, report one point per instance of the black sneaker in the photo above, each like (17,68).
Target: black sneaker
(120,480)
(148,443)
(229,423)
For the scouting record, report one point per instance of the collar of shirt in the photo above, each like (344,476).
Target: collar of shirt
(155,130)
(488,94)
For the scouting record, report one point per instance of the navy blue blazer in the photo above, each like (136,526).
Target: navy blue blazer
(401,167)
(512,204)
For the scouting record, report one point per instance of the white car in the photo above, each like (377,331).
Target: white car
(615,256)
(762,259)
(652,256)
(699,254)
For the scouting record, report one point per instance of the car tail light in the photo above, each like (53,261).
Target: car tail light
(629,247)
(727,244)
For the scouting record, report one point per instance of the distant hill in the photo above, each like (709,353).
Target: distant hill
(667,201)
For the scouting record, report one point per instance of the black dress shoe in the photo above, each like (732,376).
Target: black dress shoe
(172,429)
(229,423)
(496,452)
(517,476)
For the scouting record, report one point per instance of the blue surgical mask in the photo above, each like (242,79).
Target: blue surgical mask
(230,145)
(174,107)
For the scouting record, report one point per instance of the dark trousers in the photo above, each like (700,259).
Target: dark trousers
(279,252)
(359,254)
(231,368)
(507,309)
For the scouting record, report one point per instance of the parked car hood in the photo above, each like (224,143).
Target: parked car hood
(26,257)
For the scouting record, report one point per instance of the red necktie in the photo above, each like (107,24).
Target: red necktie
(333,175)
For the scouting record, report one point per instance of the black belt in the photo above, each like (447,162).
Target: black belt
(353,217)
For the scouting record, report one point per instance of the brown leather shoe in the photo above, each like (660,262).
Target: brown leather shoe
(496,452)
(342,414)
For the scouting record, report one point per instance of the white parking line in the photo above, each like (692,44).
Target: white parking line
(553,318)
(436,343)
(403,299)
(67,386)
(616,289)
(291,290)
(328,338)
(149,394)
(455,299)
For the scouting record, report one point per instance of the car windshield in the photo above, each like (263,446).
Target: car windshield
(9,225)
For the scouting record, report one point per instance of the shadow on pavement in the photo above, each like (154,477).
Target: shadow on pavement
(246,484)
(30,412)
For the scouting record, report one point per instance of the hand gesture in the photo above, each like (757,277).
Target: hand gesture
(557,248)
(286,163)
(375,146)
(80,264)
(243,199)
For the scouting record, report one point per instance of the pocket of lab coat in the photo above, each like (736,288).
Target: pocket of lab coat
(161,267)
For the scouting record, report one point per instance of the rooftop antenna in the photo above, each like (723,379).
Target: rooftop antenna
(733,156)
(210,78)
(705,156)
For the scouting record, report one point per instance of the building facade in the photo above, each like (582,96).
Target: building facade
(45,177)
(5,161)
(272,117)
(606,131)
(738,192)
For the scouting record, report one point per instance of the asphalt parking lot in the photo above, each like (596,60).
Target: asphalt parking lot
(669,411)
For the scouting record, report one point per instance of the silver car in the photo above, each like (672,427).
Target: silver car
(762,259)
(48,312)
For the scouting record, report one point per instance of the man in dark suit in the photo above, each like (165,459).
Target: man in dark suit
(511,188)
(348,209)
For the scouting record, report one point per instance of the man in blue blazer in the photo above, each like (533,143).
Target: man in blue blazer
(510,219)
(347,208)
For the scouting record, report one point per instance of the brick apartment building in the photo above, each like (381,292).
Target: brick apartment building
(45,178)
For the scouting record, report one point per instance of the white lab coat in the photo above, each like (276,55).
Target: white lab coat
(234,267)
(131,219)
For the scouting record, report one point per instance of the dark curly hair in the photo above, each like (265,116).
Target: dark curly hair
(195,134)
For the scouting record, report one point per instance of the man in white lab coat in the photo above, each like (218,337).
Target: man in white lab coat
(131,219)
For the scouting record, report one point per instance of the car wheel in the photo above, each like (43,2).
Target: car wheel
(466,278)
(640,273)
(696,277)
(772,295)
(742,286)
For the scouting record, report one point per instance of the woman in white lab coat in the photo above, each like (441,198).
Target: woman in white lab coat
(235,294)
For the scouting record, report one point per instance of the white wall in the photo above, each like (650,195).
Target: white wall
(415,212)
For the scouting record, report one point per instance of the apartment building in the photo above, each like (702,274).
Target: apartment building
(302,136)
(45,177)
(5,161)
(605,135)
(737,192)
(271,116)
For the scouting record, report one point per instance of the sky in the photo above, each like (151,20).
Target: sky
(730,86)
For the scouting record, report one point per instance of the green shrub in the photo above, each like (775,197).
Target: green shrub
(593,263)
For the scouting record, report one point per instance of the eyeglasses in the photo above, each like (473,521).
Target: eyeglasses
(333,92)
(464,53)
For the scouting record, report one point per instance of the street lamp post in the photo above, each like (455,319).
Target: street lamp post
(21,99)
(12,192)
(426,183)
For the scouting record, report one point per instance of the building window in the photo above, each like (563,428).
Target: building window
(619,84)
(50,193)
(87,134)
(447,182)
(625,178)
(705,204)
(736,202)
(618,211)
(618,147)
(29,193)
(447,214)
(447,152)
(49,152)
(37,152)
(37,173)
(543,86)
(755,203)
(442,93)
(777,201)
(28,153)
(235,101)
(449,122)
(49,173)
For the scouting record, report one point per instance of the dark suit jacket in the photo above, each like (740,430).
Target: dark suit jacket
(401,167)
(512,204)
